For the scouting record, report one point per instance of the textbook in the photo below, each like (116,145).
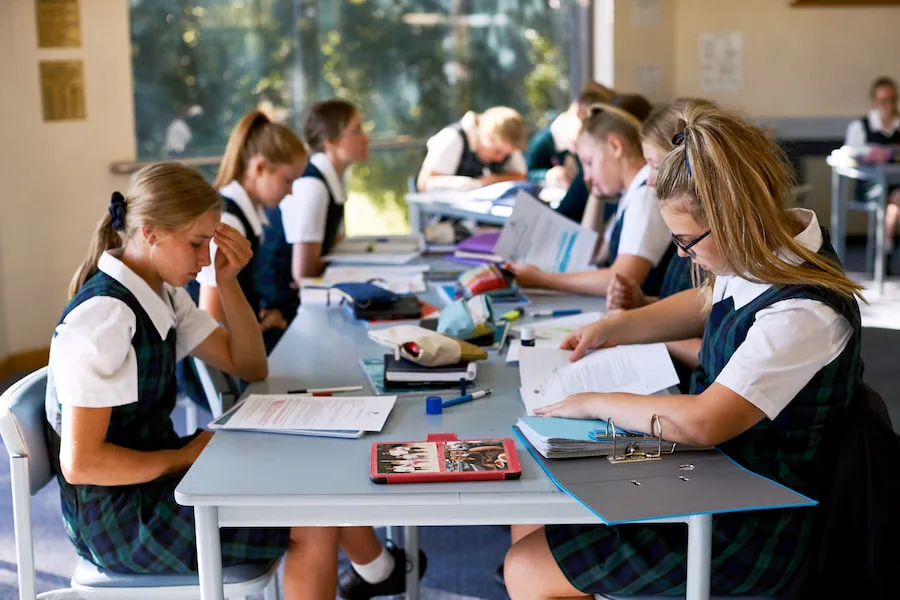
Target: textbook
(400,372)
(373,368)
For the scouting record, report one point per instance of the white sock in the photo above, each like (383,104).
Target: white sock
(378,570)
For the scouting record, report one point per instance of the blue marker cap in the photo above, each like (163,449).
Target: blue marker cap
(434,405)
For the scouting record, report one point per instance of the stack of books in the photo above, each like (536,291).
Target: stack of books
(477,249)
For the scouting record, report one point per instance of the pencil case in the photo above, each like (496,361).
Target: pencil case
(425,347)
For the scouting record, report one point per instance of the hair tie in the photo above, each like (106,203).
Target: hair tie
(680,139)
(117,211)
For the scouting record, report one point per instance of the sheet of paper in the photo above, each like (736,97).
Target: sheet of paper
(645,13)
(548,376)
(407,279)
(721,61)
(538,235)
(372,258)
(294,411)
(512,355)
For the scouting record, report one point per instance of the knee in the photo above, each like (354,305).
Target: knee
(518,567)
(316,539)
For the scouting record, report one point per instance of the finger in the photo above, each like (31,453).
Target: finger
(238,249)
(546,410)
(570,342)
(580,350)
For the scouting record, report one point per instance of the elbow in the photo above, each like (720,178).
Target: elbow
(75,470)
(256,372)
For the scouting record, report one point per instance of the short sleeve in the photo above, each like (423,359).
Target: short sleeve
(192,325)
(445,150)
(785,347)
(207,275)
(516,163)
(304,212)
(91,357)
(644,233)
(856,135)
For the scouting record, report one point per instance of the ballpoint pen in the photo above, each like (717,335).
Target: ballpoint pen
(466,398)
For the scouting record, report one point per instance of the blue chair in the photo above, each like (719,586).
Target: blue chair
(22,430)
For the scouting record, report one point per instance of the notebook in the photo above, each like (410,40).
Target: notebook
(401,371)
(373,368)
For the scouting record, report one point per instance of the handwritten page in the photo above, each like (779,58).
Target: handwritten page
(538,235)
(548,376)
(290,412)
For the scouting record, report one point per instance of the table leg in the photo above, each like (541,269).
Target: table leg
(414,214)
(879,238)
(699,558)
(838,214)
(209,552)
(411,545)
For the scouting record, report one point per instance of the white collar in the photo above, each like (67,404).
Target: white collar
(158,309)
(321,161)
(561,130)
(254,214)
(469,125)
(743,291)
(640,179)
(875,123)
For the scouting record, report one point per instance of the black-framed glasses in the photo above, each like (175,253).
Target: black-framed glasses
(686,247)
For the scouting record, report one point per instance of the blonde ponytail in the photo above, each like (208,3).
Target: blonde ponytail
(256,135)
(105,238)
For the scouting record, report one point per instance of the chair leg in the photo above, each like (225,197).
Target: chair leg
(272,591)
(191,416)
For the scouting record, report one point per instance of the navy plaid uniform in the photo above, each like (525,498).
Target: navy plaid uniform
(654,280)
(272,272)
(140,528)
(677,277)
(753,553)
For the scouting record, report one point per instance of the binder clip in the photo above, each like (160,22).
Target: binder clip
(627,447)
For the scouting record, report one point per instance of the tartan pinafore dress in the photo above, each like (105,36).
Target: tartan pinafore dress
(752,552)
(140,528)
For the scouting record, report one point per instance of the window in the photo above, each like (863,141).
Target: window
(413,66)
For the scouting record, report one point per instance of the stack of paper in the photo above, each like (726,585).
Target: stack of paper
(409,279)
(551,332)
(390,250)
(548,375)
(302,414)
(568,438)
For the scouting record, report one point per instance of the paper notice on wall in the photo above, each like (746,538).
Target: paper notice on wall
(721,61)
(645,13)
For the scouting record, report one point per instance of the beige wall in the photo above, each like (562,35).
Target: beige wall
(797,61)
(635,46)
(56,179)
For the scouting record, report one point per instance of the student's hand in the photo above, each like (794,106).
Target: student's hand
(557,177)
(491,178)
(590,337)
(624,294)
(526,275)
(192,449)
(576,406)
(879,154)
(233,252)
(271,317)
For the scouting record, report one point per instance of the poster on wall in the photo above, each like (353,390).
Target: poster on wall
(62,90)
(721,61)
(647,78)
(645,13)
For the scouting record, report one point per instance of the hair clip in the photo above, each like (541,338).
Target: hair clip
(117,211)
(680,139)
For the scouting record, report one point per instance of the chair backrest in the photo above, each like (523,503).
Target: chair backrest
(22,419)
(221,389)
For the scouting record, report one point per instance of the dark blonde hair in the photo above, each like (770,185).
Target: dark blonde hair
(326,121)
(594,93)
(880,82)
(505,124)
(727,175)
(167,196)
(663,123)
(608,118)
(256,135)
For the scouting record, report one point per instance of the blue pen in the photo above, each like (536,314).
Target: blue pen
(466,398)
(556,313)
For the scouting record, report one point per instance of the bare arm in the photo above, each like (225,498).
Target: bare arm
(678,317)
(306,260)
(594,283)
(686,352)
(239,349)
(86,458)
(715,416)
(497,177)
(209,301)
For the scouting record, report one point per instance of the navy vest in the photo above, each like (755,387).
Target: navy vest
(677,277)
(654,280)
(469,163)
(247,277)
(335,215)
(878,137)
(790,448)
(274,279)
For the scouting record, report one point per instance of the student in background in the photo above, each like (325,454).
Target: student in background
(550,148)
(486,147)
(111,392)
(626,294)
(313,215)
(261,161)
(876,137)
(637,243)
(779,364)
